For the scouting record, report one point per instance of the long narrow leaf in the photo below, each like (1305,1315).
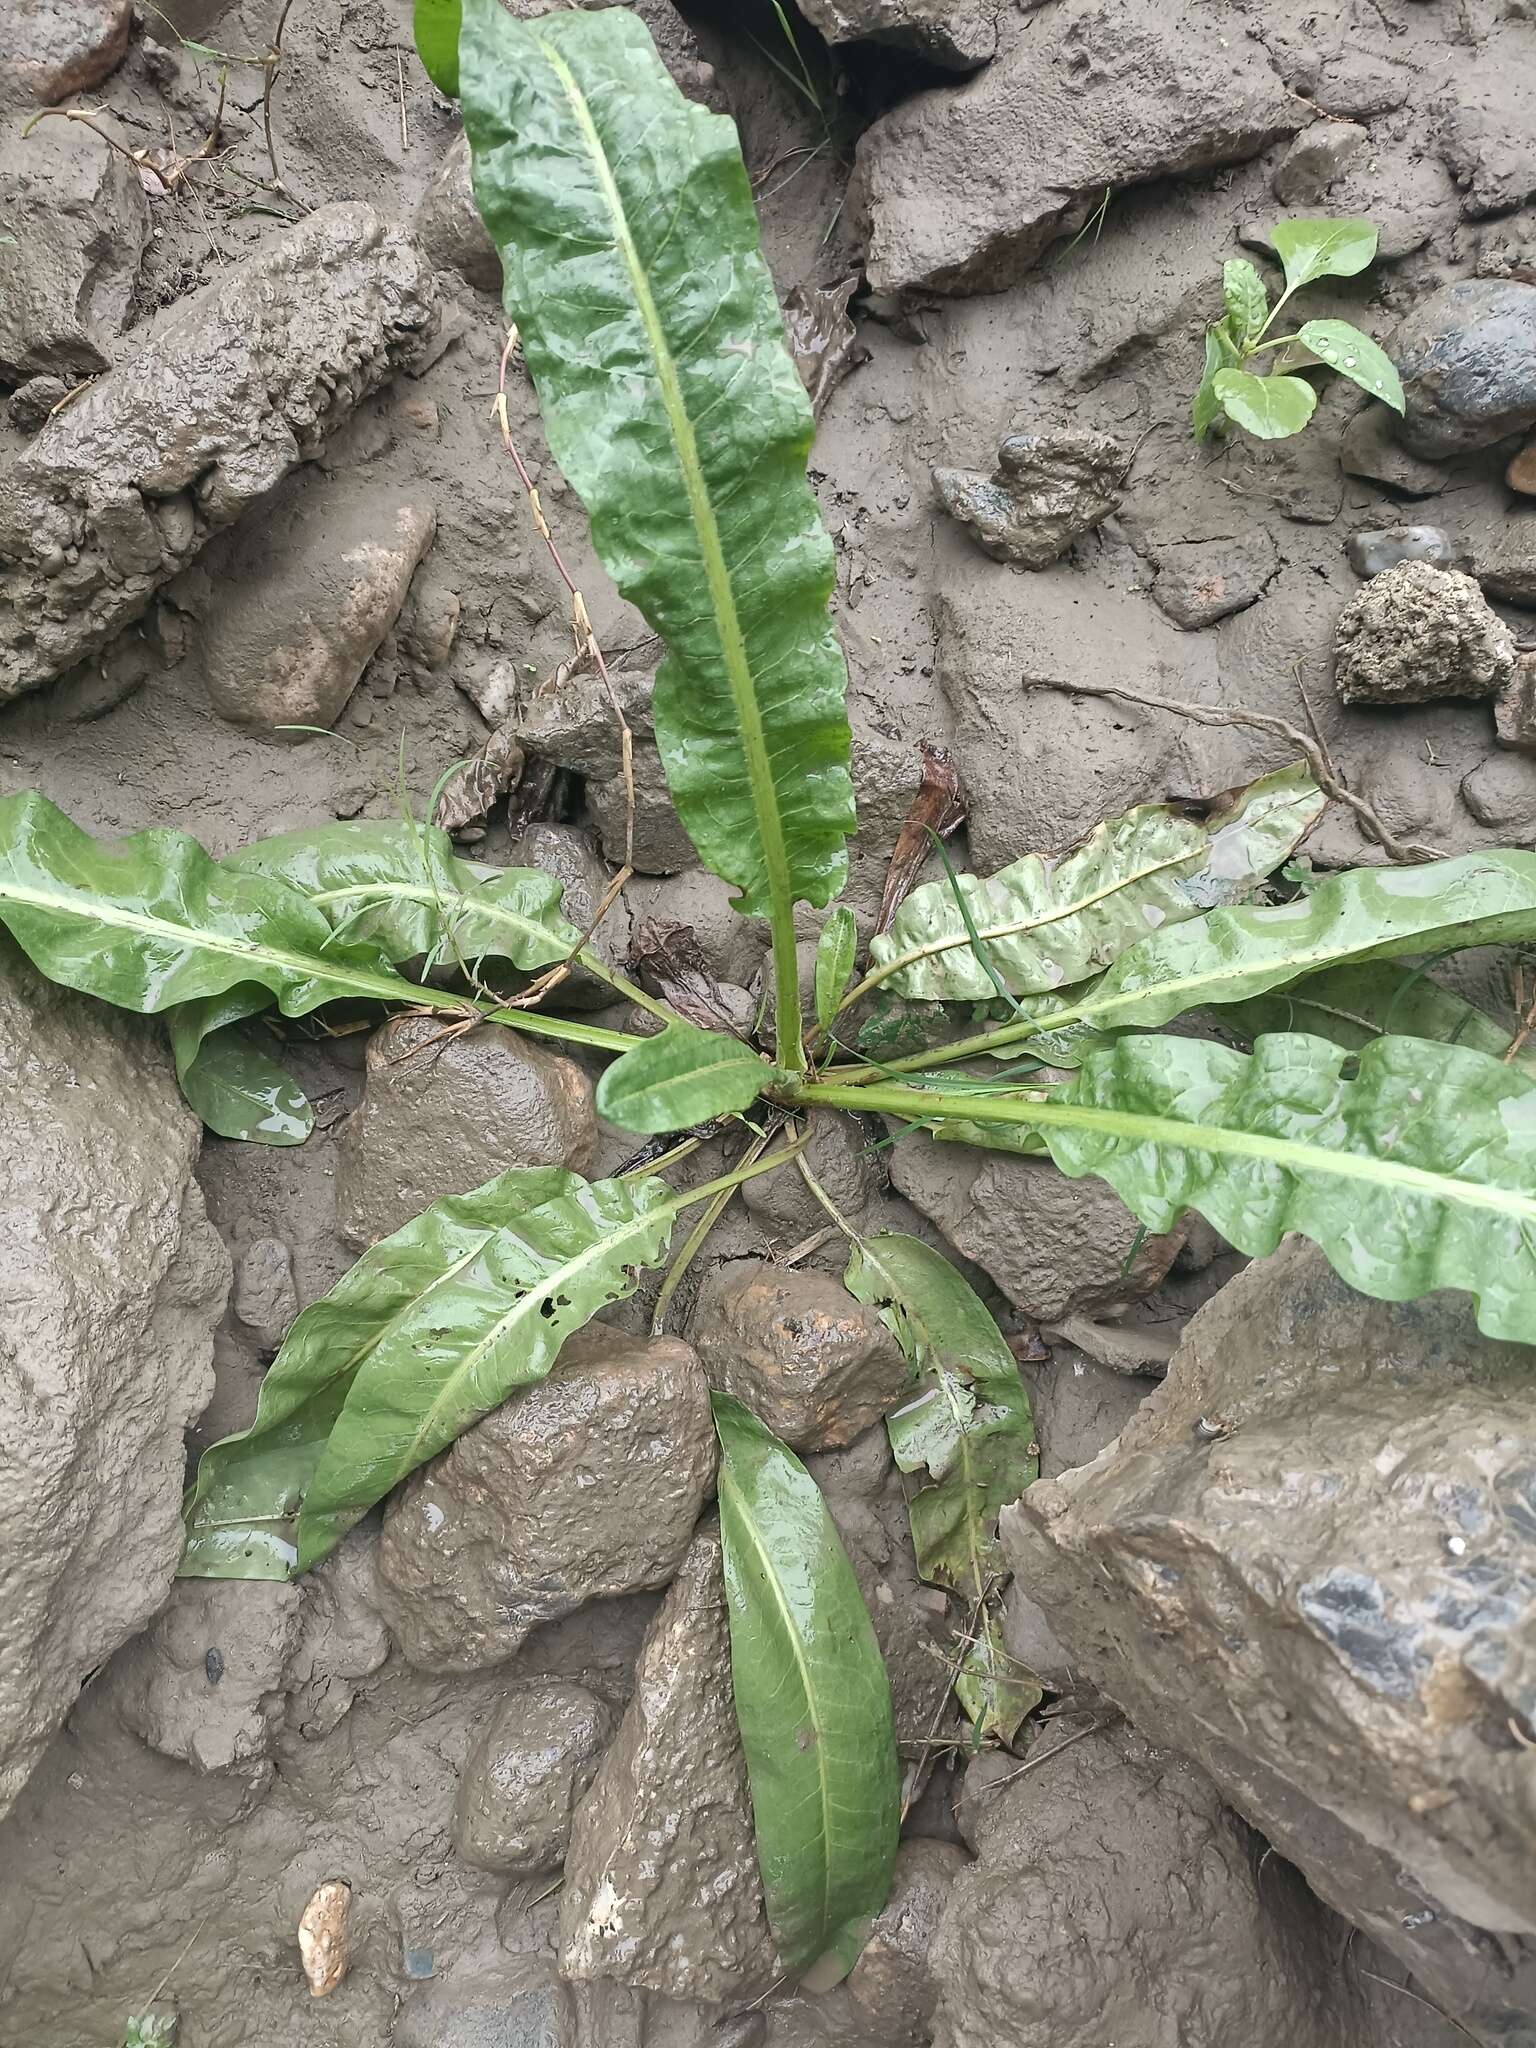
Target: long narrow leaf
(1047,923)
(1351,1005)
(1413,1165)
(429,1331)
(683,1076)
(812,1700)
(625,223)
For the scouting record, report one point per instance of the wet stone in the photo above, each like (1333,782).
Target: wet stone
(893,1979)
(1199,582)
(1370,449)
(525,1775)
(1467,358)
(1046,490)
(1416,633)
(1312,162)
(956,35)
(58,47)
(266,1300)
(1514,710)
(1384,547)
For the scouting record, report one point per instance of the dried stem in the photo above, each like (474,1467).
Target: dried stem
(1312,752)
(271,64)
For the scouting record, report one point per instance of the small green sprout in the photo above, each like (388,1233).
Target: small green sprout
(1279,404)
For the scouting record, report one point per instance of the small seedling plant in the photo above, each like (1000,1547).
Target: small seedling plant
(1278,404)
(1376,1112)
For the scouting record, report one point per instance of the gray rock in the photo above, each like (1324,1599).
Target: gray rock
(1328,1605)
(322,579)
(266,1300)
(965,190)
(1046,490)
(1514,709)
(893,1979)
(582,1487)
(114,1281)
(1199,582)
(1506,567)
(1314,160)
(1370,448)
(448,223)
(1501,794)
(661,1882)
(443,1114)
(1115,1899)
(1056,1247)
(839,1151)
(76,223)
(1416,633)
(818,1367)
(568,854)
(538,1754)
(1384,547)
(1487,127)
(29,404)
(956,34)
(1467,358)
(56,48)
(228,394)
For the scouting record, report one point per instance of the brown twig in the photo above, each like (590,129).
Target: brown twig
(140,160)
(1035,1762)
(271,64)
(586,647)
(1527,1014)
(1316,756)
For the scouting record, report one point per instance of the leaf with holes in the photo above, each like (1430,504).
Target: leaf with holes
(1356,356)
(624,211)
(1273,408)
(1048,923)
(1246,300)
(812,1701)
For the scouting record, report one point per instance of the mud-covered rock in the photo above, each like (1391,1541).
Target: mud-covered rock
(661,1882)
(1467,358)
(812,1363)
(1416,633)
(1115,1899)
(1057,1247)
(55,48)
(1324,1597)
(569,855)
(963,191)
(1381,548)
(443,1113)
(1500,792)
(1317,156)
(1370,448)
(29,404)
(76,222)
(1046,490)
(1487,127)
(840,1152)
(448,223)
(322,579)
(228,394)
(113,1281)
(1505,565)
(955,34)
(1514,709)
(266,1300)
(1199,582)
(531,1765)
(582,1487)
(893,1979)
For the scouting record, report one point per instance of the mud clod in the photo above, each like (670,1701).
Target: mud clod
(1416,632)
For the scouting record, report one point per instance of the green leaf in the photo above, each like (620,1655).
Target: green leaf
(625,222)
(836,950)
(1353,1004)
(1246,299)
(1220,354)
(1322,248)
(995,1691)
(1049,923)
(236,1087)
(436,25)
(812,1701)
(429,1331)
(681,1077)
(152,921)
(968,1427)
(1271,407)
(1356,356)
(398,887)
(1477,899)
(1412,1165)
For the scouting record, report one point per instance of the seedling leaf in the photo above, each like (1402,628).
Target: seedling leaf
(1356,356)
(1246,300)
(1322,248)
(1271,407)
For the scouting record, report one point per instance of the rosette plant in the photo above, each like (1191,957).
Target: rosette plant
(1376,1112)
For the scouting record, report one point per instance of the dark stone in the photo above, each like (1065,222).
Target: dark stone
(1467,358)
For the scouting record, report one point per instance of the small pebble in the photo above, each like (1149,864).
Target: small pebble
(1521,473)
(213,1666)
(1384,547)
